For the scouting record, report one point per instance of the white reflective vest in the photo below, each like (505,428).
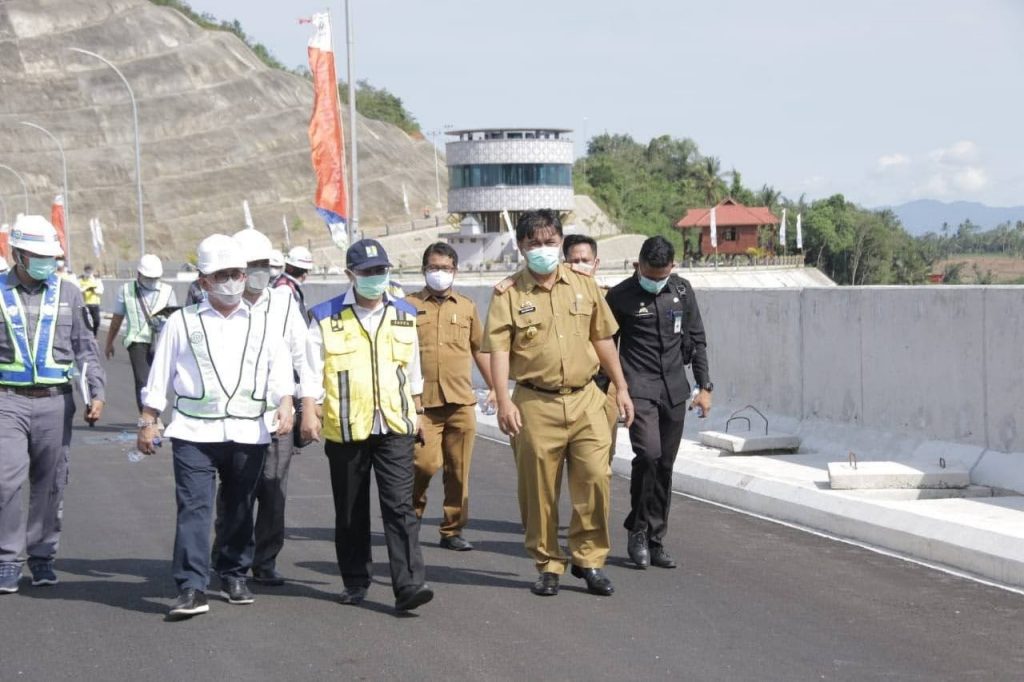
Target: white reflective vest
(138,330)
(248,398)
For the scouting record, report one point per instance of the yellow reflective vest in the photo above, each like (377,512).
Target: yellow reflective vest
(364,375)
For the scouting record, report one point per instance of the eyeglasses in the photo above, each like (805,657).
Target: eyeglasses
(222,276)
(439,268)
(373,272)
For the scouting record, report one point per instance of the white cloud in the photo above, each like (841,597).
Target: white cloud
(888,161)
(957,154)
(952,172)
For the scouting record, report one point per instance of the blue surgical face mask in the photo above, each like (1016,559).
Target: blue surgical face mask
(652,286)
(40,268)
(372,286)
(543,260)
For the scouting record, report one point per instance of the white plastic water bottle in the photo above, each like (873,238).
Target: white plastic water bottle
(136,455)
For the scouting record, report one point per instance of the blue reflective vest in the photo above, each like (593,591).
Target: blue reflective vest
(33,366)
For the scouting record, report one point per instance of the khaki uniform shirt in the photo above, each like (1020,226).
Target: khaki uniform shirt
(450,332)
(548,333)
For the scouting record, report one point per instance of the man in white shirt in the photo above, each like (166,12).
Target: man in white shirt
(285,325)
(363,359)
(214,357)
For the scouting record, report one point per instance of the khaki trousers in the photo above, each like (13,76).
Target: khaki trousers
(448,435)
(612,411)
(567,430)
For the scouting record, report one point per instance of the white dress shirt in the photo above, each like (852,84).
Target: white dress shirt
(290,331)
(313,369)
(174,366)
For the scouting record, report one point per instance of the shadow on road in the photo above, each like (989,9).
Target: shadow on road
(142,585)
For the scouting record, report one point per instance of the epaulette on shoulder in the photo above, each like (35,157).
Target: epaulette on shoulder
(579,269)
(504,285)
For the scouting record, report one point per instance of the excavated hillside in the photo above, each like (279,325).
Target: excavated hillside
(217,126)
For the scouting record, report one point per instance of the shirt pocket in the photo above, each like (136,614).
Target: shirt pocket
(403,342)
(457,333)
(340,350)
(530,332)
(581,313)
(62,332)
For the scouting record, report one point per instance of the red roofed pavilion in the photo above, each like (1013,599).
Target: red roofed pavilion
(737,226)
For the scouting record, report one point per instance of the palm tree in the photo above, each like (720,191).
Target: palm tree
(769,196)
(710,181)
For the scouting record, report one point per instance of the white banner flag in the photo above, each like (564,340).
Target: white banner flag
(248,215)
(782,229)
(96,230)
(405,200)
(799,234)
(714,229)
(287,234)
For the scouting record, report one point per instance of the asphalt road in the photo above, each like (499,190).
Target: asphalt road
(752,600)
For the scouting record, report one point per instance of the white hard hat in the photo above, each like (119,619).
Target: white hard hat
(276,259)
(150,266)
(35,234)
(220,252)
(300,257)
(255,244)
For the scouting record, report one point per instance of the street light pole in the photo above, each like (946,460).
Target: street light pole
(138,154)
(353,209)
(67,199)
(24,187)
(437,177)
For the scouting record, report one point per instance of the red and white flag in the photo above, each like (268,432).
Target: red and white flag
(57,218)
(326,139)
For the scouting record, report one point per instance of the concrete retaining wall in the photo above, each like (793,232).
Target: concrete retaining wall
(890,372)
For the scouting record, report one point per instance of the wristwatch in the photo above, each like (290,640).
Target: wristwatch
(709,387)
(143,422)
(420,410)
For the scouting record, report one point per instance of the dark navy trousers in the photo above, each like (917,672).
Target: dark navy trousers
(197,467)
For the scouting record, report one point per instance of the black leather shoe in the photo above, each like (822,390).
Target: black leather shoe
(456,543)
(413,596)
(661,558)
(190,602)
(546,585)
(267,576)
(597,582)
(353,596)
(236,590)
(637,548)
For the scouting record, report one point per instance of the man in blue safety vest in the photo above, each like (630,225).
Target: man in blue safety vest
(43,335)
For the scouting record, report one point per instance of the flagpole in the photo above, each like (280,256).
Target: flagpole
(353,220)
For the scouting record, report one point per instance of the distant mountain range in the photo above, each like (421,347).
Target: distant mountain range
(927,215)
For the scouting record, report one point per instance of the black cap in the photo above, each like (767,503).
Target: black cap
(366,254)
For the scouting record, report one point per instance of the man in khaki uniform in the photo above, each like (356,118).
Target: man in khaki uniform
(550,329)
(450,334)
(580,253)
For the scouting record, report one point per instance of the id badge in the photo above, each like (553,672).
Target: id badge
(677,322)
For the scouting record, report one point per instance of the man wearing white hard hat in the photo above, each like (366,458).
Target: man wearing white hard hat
(145,302)
(42,336)
(297,265)
(276,265)
(284,325)
(215,358)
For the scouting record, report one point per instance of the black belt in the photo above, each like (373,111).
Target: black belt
(38,391)
(565,390)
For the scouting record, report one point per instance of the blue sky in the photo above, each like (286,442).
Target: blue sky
(884,101)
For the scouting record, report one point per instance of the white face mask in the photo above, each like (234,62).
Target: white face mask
(149,282)
(439,280)
(258,278)
(275,272)
(227,293)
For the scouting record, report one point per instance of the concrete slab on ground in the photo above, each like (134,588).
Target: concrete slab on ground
(875,475)
(750,444)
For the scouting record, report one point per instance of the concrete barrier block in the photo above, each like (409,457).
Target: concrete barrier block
(747,444)
(875,475)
